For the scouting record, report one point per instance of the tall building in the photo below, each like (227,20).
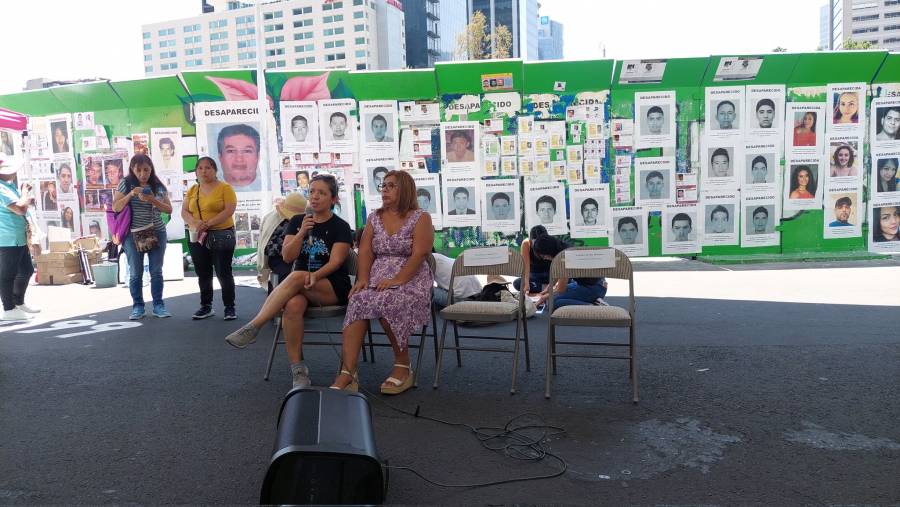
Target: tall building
(520,16)
(432,27)
(353,34)
(825,27)
(876,21)
(550,39)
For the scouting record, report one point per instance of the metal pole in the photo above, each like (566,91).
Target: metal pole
(263,107)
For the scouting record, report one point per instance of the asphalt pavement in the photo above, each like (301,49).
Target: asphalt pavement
(776,385)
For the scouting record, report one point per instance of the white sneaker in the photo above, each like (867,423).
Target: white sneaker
(14,315)
(27,309)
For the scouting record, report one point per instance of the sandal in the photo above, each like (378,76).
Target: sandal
(352,387)
(397,386)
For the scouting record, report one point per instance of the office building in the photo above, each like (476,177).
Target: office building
(825,27)
(875,21)
(351,34)
(550,39)
(520,16)
(432,28)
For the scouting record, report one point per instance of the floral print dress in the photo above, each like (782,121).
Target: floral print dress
(406,308)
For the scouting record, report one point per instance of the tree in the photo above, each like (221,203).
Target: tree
(477,43)
(853,45)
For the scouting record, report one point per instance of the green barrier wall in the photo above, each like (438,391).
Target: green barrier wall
(136,106)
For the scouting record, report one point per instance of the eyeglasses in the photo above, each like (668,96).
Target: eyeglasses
(388,186)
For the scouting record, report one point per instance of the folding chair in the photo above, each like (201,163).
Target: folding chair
(432,265)
(313,313)
(485,311)
(592,315)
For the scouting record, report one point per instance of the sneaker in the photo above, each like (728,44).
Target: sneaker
(204,312)
(242,337)
(15,314)
(300,376)
(229,313)
(137,313)
(600,302)
(159,310)
(27,309)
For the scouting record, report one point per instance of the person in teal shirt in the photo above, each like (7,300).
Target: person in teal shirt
(15,259)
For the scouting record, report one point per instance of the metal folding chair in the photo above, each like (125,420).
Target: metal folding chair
(485,311)
(592,315)
(313,313)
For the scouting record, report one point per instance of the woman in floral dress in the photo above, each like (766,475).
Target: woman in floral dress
(393,282)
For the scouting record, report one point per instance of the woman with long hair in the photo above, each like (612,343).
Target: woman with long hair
(393,283)
(805,130)
(846,108)
(68,218)
(885,224)
(803,185)
(842,162)
(887,175)
(147,196)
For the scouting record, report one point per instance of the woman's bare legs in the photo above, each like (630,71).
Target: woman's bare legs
(353,340)
(293,326)
(400,356)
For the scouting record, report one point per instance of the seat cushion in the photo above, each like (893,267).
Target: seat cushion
(609,315)
(481,311)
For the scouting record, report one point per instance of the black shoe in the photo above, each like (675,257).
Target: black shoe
(229,313)
(204,312)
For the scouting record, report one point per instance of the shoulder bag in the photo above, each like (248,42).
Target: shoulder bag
(215,240)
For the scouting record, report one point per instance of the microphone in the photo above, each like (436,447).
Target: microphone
(309,238)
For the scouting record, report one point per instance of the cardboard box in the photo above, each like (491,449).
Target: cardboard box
(88,243)
(60,246)
(52,278)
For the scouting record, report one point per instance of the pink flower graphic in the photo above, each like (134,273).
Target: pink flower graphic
(306,88)
(236,89)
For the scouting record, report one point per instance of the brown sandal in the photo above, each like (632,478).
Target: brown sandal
(352,387)
(398,386)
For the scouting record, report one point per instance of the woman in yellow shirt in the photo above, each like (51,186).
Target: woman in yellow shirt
(208,211)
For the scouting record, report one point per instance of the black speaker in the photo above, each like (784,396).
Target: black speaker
(324,451)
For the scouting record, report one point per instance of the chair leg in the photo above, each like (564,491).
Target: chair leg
(274,346)
(633,364)
(553,355)
(371,344)
(434,332)
(456,339)
(550,353)
(512,388)
(419,357)
(527,354)
(440,354)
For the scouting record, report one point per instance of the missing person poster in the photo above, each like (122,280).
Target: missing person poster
(721,163)
(724,112)
(337,125)
(845,160)
(654,119)
(167,150)
(630,231)
(428,195)
(847,103)
(804,131)
(884,227)
(589,210)
(682,229)
(60,134)
(501,206)
(655,182)
(374,169)
(642,71)
(738,68)
(299,126)
(421,111)
(885,123)
(545,204)
(458,147)
(762,166)
(721,217)
(764,114)
(884,176)
(462,205)
(379,125)
(758,220)
(843,206)
(803,183)
(229,133)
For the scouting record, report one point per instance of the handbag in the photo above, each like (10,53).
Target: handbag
(145,238)
(215,240)
(119,223)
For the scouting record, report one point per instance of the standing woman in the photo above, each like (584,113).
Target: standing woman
(209,213)
(15,259)
(147,197)
(393,283)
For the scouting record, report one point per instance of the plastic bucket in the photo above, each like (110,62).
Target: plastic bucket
(105,274)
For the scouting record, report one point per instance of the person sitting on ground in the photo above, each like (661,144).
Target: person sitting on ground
(576,291)
(318,244)
(537,269)
(393,284)
(271,239)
